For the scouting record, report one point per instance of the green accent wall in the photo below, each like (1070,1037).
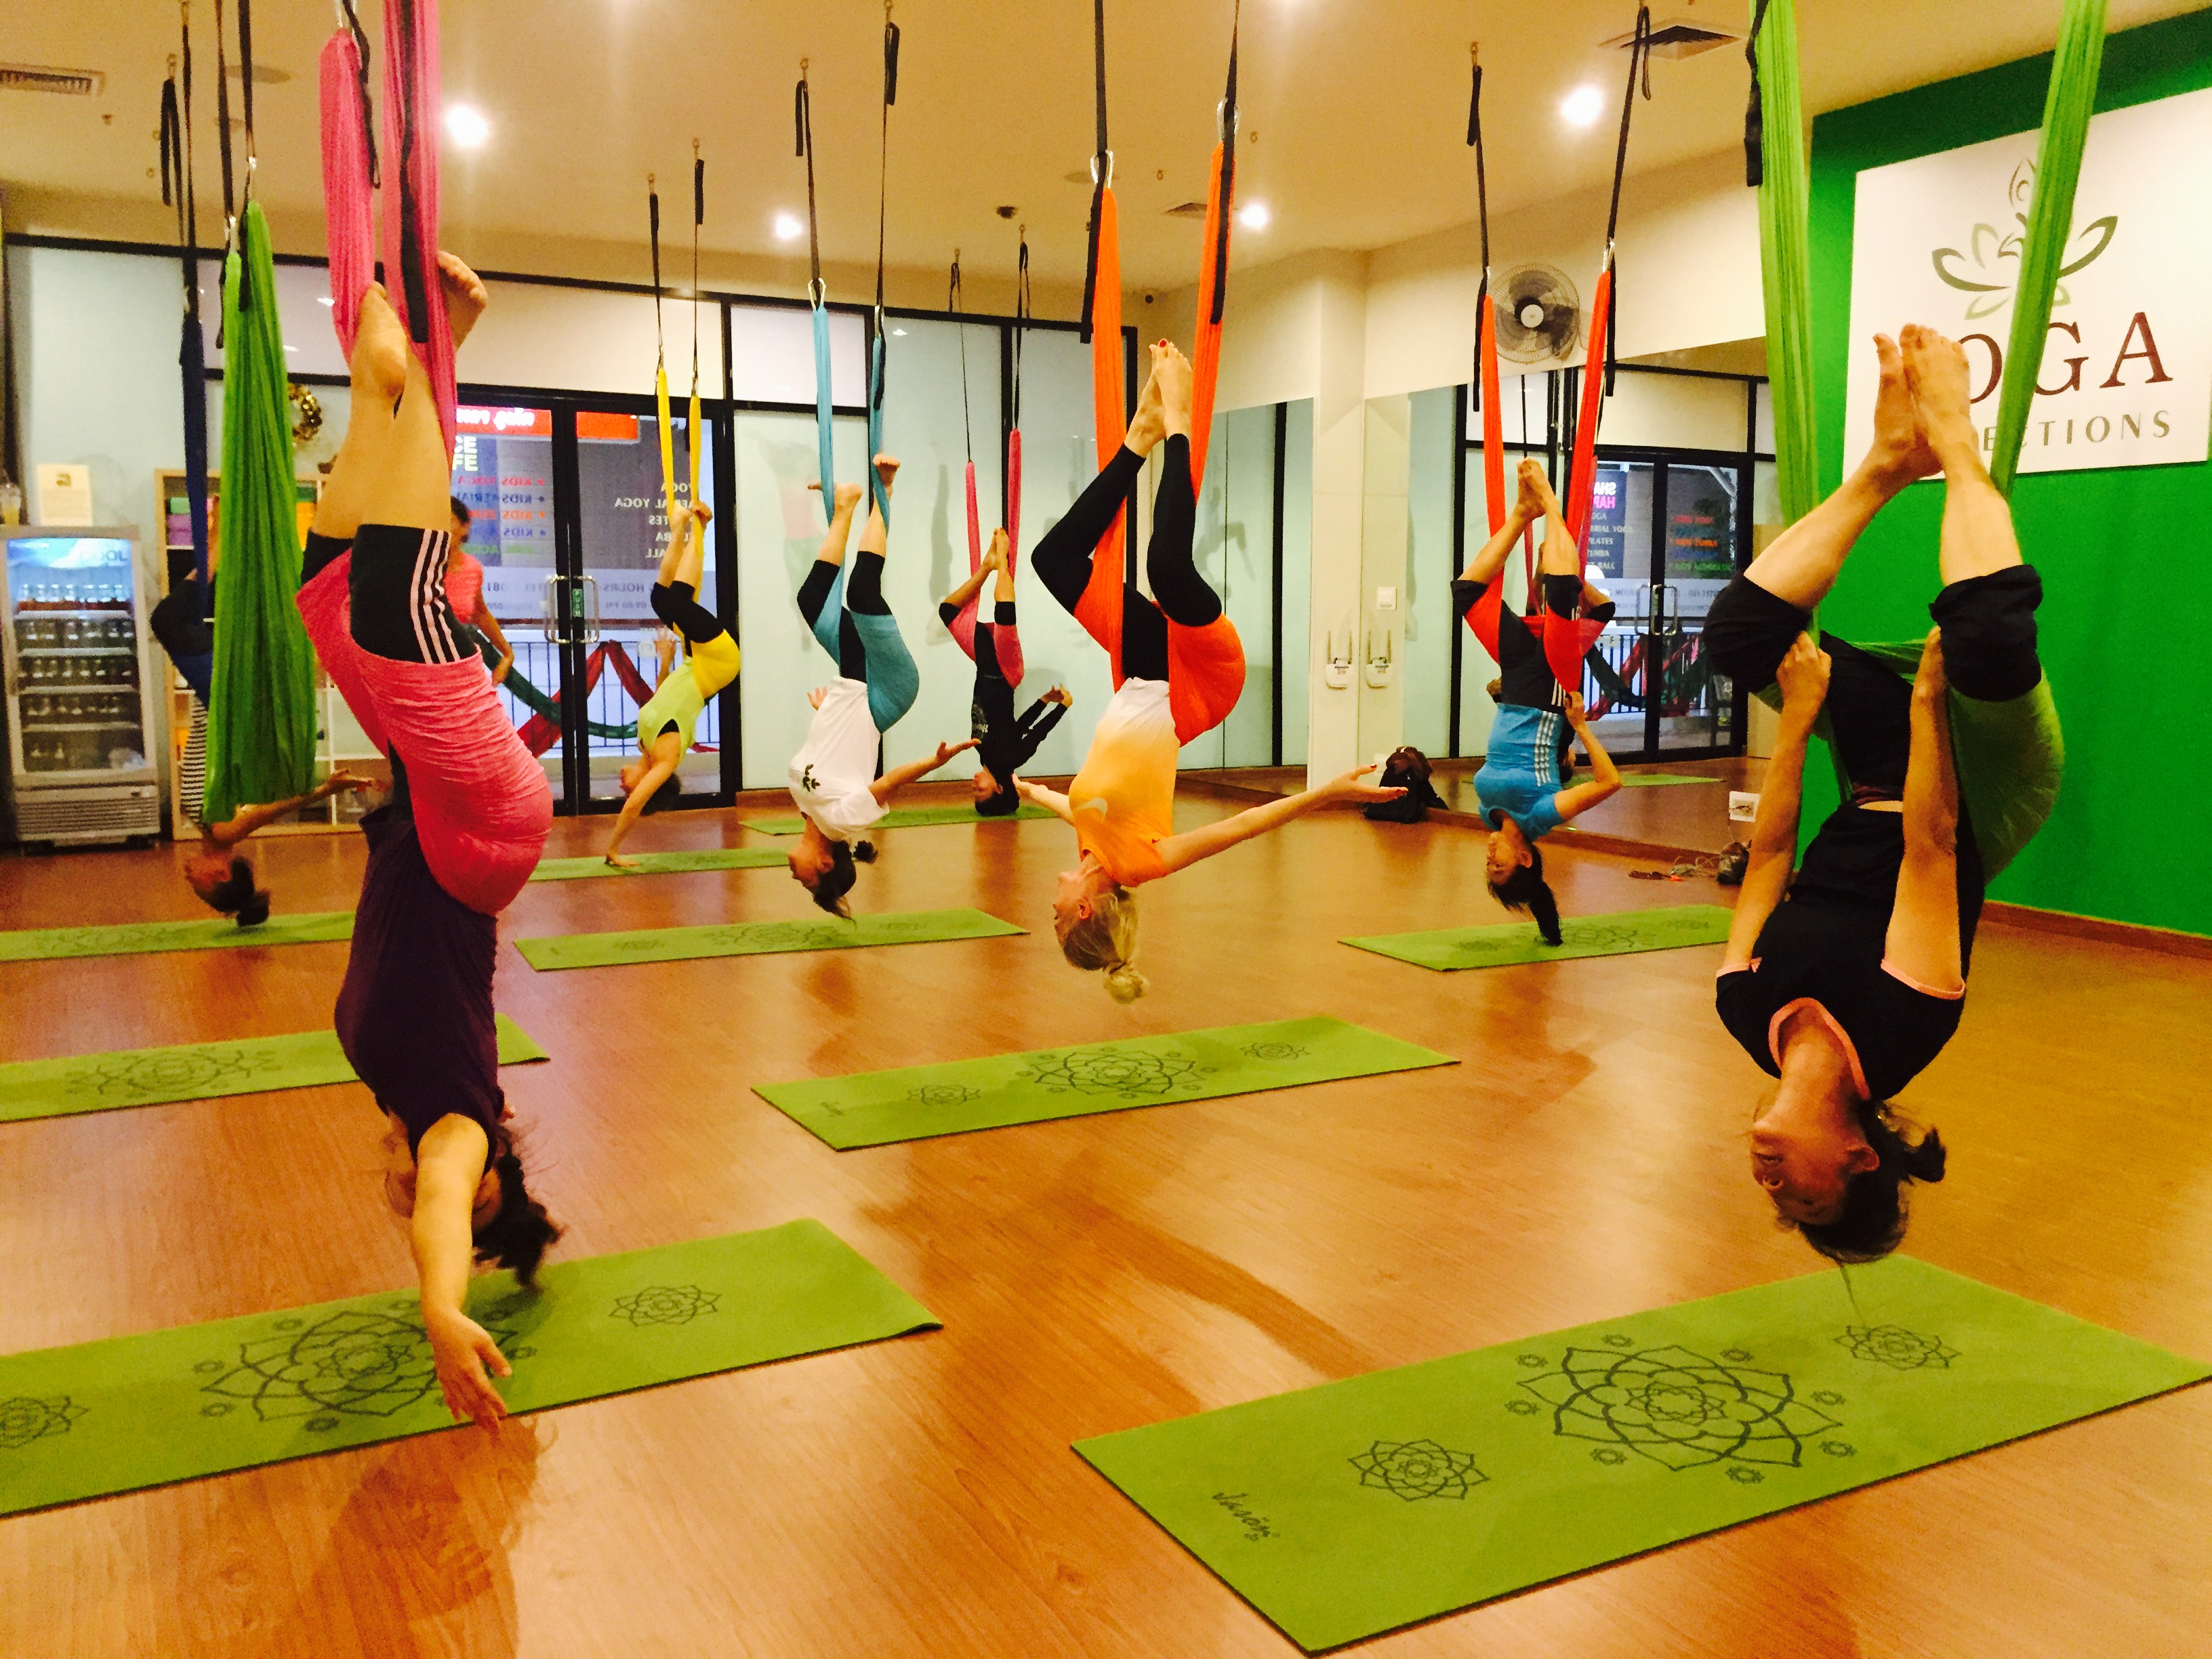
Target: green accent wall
(2122,552)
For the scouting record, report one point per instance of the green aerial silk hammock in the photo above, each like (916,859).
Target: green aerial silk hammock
(2010,756)
(261,707)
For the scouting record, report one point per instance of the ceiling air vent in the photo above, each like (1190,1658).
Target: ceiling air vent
(1678,37)
(1188,210)
(33,77)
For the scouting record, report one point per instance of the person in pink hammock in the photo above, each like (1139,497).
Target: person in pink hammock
(464,829)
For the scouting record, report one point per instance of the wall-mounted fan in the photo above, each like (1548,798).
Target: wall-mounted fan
(1540,315)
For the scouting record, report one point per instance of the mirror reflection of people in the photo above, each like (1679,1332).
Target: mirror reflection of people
(668,724)
(1005,743)
(1178,670)
(1845,973)
(464,827)
(464,589)
(833,776)
(1522,790)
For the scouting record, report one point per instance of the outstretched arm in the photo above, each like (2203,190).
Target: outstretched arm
(899,776)
(448,1165)
(667,755)
(1177,852)
(1051,799)
(1605,777)
(1803,676)
(488,624)
(247,819)
(1923,943)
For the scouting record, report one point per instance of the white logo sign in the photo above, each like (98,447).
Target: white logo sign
(2126,377)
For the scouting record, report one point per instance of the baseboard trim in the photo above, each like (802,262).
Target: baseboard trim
(2166,940)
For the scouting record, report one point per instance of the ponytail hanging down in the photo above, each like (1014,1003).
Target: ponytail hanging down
(1527,891)
(1105,941)
(1875,1209)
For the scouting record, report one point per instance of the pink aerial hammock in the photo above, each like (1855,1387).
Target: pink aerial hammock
(1005,641)
(1567,640)
(352,172)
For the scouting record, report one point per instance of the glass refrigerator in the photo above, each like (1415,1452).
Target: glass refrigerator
(84,731)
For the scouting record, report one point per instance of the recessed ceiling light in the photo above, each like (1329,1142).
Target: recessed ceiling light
(327,301)
(1582,106)
(789,227)
(467,126)
(898,331)
(1254,215)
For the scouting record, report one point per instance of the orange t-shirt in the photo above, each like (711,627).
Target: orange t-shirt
(1123,799)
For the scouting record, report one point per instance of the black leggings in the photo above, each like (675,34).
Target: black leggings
(1989,654)
(397,595)
(864,592)
(1063,558)
(1525,677)
(677,605)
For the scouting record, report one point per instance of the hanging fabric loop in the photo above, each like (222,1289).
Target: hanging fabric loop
(816,292)
(1102,189)
(693,433)
(953,303)
(1013,484)
(878,344)
(670,502)
(1754,114)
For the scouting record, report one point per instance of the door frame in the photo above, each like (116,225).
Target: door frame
(1661,461)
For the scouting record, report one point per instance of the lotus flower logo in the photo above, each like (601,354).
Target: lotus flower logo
(1988,267)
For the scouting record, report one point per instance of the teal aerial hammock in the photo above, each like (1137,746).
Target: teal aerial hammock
(2010,756)
(803,120)
(883,499)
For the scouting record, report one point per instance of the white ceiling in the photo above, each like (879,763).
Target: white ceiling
(1353,120)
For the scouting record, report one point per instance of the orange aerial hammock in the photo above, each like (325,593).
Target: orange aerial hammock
(1102,298)
(1567,640)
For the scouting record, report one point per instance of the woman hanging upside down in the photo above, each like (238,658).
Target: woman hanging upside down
(1178,670)
(670,715)
(833,775)
(1844,978)
(1007,744)
(1520,788)
(464,827)
(223,877)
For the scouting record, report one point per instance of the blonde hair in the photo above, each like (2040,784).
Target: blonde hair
(1106,940)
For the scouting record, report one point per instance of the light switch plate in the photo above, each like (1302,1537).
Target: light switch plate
(1386,599)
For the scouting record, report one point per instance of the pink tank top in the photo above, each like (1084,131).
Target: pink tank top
(465,586)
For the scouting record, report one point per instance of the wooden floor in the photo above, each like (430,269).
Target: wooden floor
(919,1496)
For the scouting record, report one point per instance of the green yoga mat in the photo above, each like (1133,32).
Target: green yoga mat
(195,1071)
(754,939)
(661,863)
(903,817)
(1660,779)
(1505,944)
(175,1405)
(148,938)
(872,1107)
(1351,1509)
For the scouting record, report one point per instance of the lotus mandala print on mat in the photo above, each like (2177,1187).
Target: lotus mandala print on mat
(1679,1408)
(1112,1072)
(667,1304)
(1897,1348)
(24,1420)
(354,1362)
(1415,1469)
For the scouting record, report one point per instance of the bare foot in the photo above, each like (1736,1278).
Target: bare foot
(1530,504)
(994,556)
(466,297)
(1171,370)
(846,497)
(1147,426)
(1548,499)
(380,344)
(1935,374)
(1899,453)
(886,469)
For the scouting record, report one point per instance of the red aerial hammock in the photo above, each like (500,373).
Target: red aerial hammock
(1102,293)
(1566,639)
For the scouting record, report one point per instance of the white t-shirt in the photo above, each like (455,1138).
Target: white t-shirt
(832,771)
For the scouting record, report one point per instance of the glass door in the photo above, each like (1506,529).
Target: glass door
(1666,535)
(567,516)
(622,533)
(503,473)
